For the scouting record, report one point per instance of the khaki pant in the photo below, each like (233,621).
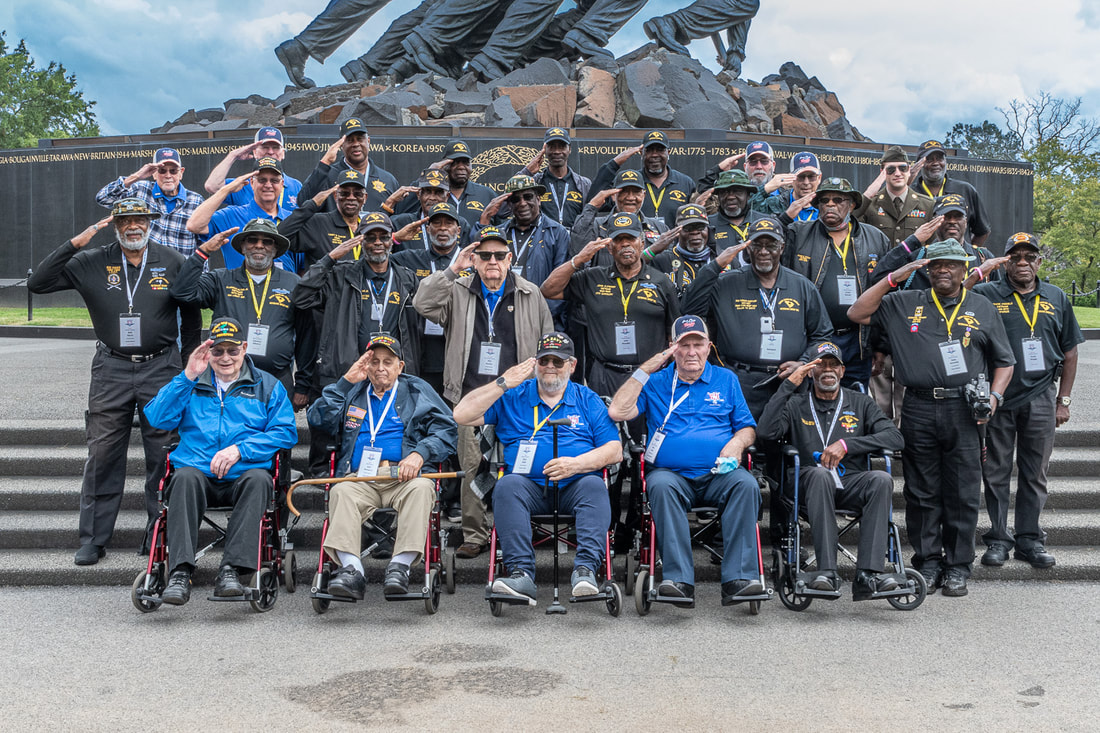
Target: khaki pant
(475,523)
(350,504)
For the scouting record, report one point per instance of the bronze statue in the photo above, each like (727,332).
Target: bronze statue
(334,25)
(707,18)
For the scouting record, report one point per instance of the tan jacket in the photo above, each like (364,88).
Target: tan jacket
(452,302)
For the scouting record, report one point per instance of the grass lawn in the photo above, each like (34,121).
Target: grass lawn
(58,317)
(1087,317)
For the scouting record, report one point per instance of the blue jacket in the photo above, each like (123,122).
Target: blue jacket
(430,429)
(255,415)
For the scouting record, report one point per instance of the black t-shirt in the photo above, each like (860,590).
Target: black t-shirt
(1055,324)
(916,329)
(377,294)
(830,287)
(651,305)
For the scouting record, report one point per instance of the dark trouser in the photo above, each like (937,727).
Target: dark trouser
(190,491)
(943,476)
(336,24)
(888,392)
(1030,430)
(757,399)
(117,388)
(604,19)
(387,50)
(866,492)
(737,497)
(321,442)
(605,382)
(704,17)
(524,22)
(516,498)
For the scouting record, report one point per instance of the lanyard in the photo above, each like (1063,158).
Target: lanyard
(374,428)
(1034,313)
(843,253)
(126,277)
(259,305)
(742,232)
(492,312)
(560,205)
(836,415)
(538,425)
(924,185)
(520,261)
(769,306)
(625,297)
(949,321)
(424,235)
(672,405)
(454,257)
(357,250)
(655,199)
(384,295)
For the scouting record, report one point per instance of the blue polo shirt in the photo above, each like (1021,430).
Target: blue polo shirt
(289,200)
(238,216)
(170,202)
(701,425)
(514,417)
(390,434)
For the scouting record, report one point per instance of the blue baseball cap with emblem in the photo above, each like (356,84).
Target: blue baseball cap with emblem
(269,134)
(759,147)
(168,155)
(687,325)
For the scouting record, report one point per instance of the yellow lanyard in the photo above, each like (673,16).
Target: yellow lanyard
(933,195)
(843,253)
(655,199)
(741,231)
(949,321)
(357,250)
(538,425)
(1034,313)
(625,297)
(259,305)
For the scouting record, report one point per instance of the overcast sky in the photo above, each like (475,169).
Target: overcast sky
(905,72)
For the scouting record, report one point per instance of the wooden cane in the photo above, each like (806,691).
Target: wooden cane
(358,479)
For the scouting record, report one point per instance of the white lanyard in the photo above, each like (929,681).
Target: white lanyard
(454,258)
(673,405)
(424,235)
(560,206)
(515,244)
(126,277)
(370,414)
(813,414)
(385,298)
(769,305)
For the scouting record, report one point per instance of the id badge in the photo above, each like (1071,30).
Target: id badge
(766,324)
(771,346)
(837,483)
(368,464)
(431,328)
(846,289)
(1033,355)
(525,457)
(257,339)
(488,363)
(377,311)
(518,270)
(952,354)
(625,343)
(654,445)
(129,330)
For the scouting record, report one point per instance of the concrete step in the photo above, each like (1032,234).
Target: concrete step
(71,432)
(52,460)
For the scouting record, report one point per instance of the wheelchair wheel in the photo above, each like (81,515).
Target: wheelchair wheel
(615,602)
(267,584)
(496,608)
(449,572)
(435,589)
(787,596)
(641,593)
(320,584)
(157,587)
(631,568)
(290,569)
(914,599)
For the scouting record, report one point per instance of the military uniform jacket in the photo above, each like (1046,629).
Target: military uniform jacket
(878,211)
(380,184)
(733,302)
(861,424)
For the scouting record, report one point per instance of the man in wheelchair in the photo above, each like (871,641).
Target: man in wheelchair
(384,418)
(834,429)
(232,419)
(699,427)
(520,408)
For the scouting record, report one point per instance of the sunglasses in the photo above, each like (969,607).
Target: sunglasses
(695,228)
(837,200)
(265,241)
(892,169)
(769,247)
(1028,257)
(375,236)
(351,192)
(168,170)
(526,196)
(497,255)
(808,176)
(553,361)
(218,353)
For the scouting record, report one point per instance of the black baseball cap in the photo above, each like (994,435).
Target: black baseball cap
(557,133)
(655,137)
(828,348)
(226,331)
(351,126)
(269,164)
(386,341)
(555,343)
(444,208)
(489,233)
(375,220)
(625,224)
(432,178)
(457,150)
(350,177)
(1022,239)
(950,202)
(691,214)
(627,177)
(928,147)
(766,227)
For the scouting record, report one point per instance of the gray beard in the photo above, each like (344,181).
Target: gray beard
(829,388)
(553,386)
(376,259)
(933,179)
(733,213)
(263,264)
(444,242)
(133,246)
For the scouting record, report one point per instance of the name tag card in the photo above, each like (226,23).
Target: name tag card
(525,457)
(129,330)
(368,464)
(654,445)
(517,270)
(771,346)
(952,354)
(377,311)
(257,339)
(846,289)
(625,343)
(488,362)
(431,328)
(1033,355)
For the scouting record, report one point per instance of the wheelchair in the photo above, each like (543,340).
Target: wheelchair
(276,560)
(791,571)
(643,563)
(557,535)
(439,565)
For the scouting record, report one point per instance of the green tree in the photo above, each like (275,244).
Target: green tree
(39,103)
(984,141)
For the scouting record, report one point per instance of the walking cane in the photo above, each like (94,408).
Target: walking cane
(556,606)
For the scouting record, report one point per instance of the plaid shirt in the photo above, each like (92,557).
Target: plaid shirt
(170,229)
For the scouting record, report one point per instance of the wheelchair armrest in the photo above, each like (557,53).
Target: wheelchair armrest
(789,451)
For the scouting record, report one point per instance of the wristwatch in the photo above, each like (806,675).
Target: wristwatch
(503,384)
(1065,400)
(1000,397)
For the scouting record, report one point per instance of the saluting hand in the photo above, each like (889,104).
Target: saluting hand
(928,229)
(493,207)
(215,243)
(516,375)
(322,196)
(601,198)
(800,203)
(731,162)
(400,194)
(589,251)
(778,181)
(86,236)
(238,183)
(900,275)
(703,197)
(729,254)
(915,170)
(654,363)
(797,371)
(465,259)
(665,239)
(333,150)
(535,163)
(346,246)
(199,360)
(991,265)
(357,372)
(409,231)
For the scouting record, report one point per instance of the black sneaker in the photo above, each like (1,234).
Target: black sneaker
(178,591)
(995,555)
(933,578)
(396,582)
(89,555)
(954,583)
(347,582)
(1036,556)
(228,584)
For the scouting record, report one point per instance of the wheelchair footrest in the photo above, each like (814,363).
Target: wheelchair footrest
(605,594)
(765,596)
(674,600)
(250,594)
(410,596)
(328,597)
(151,598)
(508,598)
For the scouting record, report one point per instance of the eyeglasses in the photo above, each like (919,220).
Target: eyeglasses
(375,236)
(272,182)
(497,255)
(218,353)
(892,169)
(768,247)
(527,196)
(351,192)
(808,176)
(694,228)
(1028,257)
(553,361)
(836,200)
(265,241)
(165,170)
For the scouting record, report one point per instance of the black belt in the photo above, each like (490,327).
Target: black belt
(135,358)
(936,393)
(621,368)
(843,331)
(743,367)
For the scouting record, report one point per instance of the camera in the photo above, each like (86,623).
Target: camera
(979,398)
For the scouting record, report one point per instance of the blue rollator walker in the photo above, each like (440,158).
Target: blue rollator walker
(792,576)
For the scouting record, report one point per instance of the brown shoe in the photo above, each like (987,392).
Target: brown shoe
(470,550)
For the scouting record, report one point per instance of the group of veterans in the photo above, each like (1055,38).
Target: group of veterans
(693,319)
